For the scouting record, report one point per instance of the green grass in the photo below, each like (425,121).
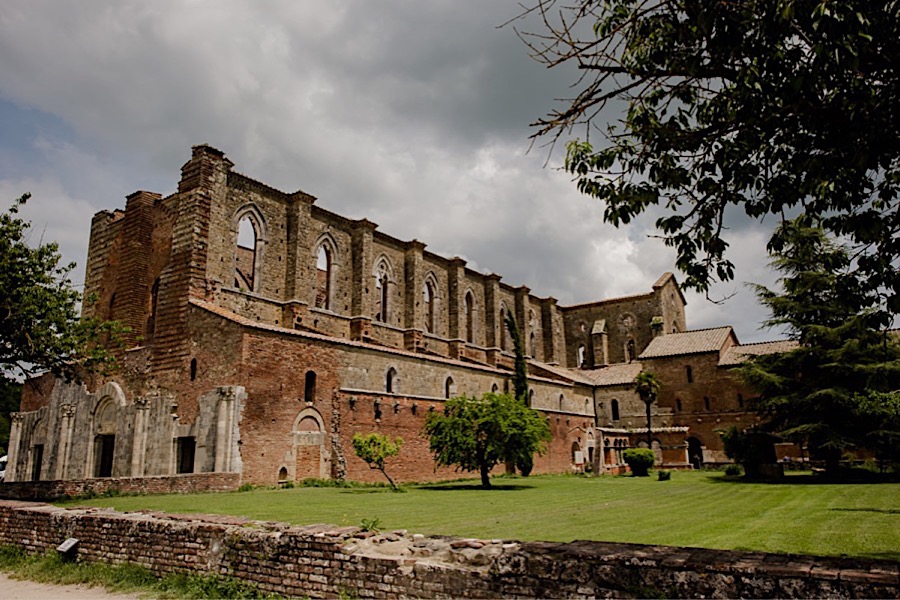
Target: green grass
(800,515)
(126,578)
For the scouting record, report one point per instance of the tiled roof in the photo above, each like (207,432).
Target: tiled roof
(574,375)
(687,342)
(737,354)
(617,374)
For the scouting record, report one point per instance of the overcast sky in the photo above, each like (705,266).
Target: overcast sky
(414,115)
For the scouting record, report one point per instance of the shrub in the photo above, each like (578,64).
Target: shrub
(733,470)
(664,475)
(639,460)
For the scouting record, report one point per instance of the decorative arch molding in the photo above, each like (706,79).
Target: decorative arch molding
(110,389)
(431,278)
(251,212)
(381,265)
(431,302)
(308,412)
(327,240)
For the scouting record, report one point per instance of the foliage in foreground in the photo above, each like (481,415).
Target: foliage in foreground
(639,460)
(703,109)
(127,578)
(40,328)
(840,388)
(477,434)
(374,449)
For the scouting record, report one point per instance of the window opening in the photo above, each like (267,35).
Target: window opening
(706,402)
(581,358)
(381,284)
(470,321)
(154,301)
(193,369)
(448,387)
(323,278)
(690,374)
(503,328)
(309,387)
(390,381)
(428,300)
(678,404)
(614,406)
(245,255)
(740,399)
(629,350)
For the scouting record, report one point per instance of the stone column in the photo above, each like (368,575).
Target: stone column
(15,439)
(67,419)
(523,304)
(456,275)
(139,440)
(361,280)
(301,260)
(492,322)
(552,345)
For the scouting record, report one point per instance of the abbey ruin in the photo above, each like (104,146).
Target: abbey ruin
(266,330)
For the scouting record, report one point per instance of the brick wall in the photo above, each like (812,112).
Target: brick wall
(323,561)
(170,484)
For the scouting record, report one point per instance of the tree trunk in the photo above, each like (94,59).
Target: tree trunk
(485,476)
(393,485)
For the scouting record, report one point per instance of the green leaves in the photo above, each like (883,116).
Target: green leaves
(766,107)
(838,390)
(40,329)
(375,448)
(477,434)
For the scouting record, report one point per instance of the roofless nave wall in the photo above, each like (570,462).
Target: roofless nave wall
(266,331)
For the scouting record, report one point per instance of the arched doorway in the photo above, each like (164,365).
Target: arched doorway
(105,417)
(695,452)
(308,441)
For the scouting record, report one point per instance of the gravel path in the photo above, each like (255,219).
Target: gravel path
(21,589)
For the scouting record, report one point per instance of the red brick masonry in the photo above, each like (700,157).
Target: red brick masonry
(325,561)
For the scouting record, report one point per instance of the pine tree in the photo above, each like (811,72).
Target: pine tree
(840,388)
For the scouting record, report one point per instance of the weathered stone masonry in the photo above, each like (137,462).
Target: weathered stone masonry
(324,561)
(265,331)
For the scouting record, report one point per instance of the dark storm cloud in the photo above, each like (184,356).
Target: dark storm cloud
(414,115)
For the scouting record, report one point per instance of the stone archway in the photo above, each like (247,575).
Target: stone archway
(695,452)
(308,437)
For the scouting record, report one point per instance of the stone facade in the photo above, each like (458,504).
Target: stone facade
(265,331)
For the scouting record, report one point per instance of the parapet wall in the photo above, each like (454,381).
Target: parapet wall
(325,561)
(164,484)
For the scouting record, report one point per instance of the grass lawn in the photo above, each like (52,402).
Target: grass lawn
(801,515)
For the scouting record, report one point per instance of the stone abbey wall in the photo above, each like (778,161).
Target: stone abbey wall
(323,561)
(261,324)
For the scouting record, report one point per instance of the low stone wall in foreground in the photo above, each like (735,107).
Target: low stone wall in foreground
(163,484)
(325,561)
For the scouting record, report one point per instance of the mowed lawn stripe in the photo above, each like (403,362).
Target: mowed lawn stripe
(693,509)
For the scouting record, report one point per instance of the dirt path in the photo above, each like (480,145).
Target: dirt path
(21,589)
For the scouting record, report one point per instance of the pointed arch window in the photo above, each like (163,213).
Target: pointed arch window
(382,283)
(629,350)
(503,328)
(581,356)
(245,255)
(428,304)
(323,278)
(448,388)
(470,317)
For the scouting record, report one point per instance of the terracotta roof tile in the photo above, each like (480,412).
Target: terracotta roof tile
(687,342)
(737,354)
(617,374)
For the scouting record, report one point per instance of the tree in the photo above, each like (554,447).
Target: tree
(520,384)
(647,386)
(476,434)
(639,460)
(757,107)
(39,325)
(840,388)
(375,448)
